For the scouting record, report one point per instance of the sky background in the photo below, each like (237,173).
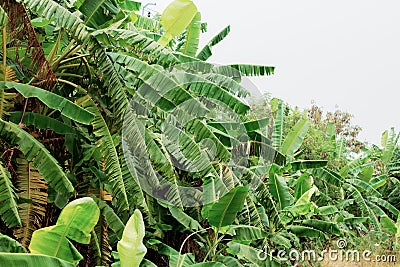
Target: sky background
(339,54)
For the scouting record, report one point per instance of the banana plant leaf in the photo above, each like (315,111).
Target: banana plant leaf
(76,222)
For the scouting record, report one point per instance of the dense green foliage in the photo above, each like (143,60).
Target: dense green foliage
(121,145)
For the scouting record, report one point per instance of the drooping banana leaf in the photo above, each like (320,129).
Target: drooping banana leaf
(246,232)
(41,158)
(113,221)
(303,184)
(66,107)
(41,122)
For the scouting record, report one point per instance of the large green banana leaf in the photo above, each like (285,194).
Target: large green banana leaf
(295,138)
(224,211)
(279,189)
(76,222)
(31,260)
(41,122)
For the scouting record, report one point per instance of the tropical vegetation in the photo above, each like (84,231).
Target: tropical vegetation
(122,145)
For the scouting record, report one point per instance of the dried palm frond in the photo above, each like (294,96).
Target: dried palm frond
(32,187)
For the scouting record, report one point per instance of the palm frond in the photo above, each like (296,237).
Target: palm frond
(32,187)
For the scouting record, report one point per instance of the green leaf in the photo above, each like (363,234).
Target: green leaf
(355,220)
(305,231)
(129,5)
(3,17)
(184,219)
(279,189)
(327,227)
(302,206)
(40,22)
(7,244)
(388,224)
(308,164)
(206,52)
(66,107)
(224,211)
(246,232)
(175,18)
(251,254)
(329,176)
(53,11)
(327,210)
(295,138)
(8,199)
(41,122)
(192,36)
(113,221)
(303,184)
(277,134)
(253,70)
(76,222)
(109,153)
(41,158)
(131,249)
(31,260)
(98,12)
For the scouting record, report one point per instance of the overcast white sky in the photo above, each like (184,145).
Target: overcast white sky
(338,53)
